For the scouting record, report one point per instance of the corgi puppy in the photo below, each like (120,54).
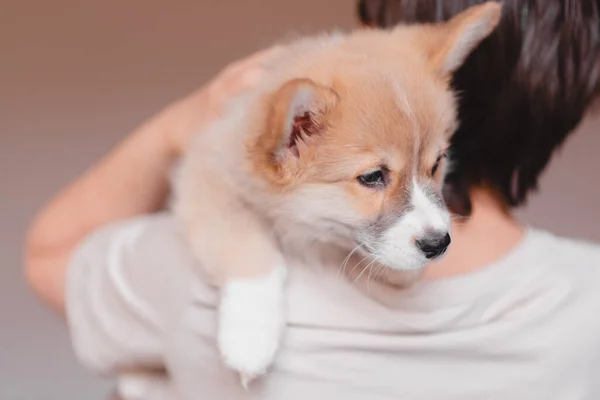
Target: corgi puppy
(340,149)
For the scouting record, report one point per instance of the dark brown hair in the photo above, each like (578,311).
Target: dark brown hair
(522,92)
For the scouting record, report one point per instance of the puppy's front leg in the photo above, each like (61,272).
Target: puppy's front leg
(235,246)
(251,318)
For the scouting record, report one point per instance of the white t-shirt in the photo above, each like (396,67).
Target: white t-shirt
(524,328)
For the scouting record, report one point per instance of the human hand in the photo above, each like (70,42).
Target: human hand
(190,115)
(104,194)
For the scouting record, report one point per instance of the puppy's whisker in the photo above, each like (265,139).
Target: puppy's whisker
(363,271)
(344,264)
(357,264)
(380,271)
(375,272)
(372,270)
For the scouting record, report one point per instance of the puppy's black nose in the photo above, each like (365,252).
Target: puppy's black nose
(434,245)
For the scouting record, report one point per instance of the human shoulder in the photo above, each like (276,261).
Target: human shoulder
(577,260)
(568,249)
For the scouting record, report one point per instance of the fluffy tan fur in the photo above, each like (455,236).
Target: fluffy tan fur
(282,174)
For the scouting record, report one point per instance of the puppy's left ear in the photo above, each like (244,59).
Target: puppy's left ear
(298,113)
(449,44)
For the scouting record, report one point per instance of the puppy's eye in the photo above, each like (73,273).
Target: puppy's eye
(373,178)
(437,164)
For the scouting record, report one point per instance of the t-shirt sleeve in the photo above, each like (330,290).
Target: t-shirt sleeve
(122,284)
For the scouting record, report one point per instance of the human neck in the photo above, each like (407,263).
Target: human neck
(486,236)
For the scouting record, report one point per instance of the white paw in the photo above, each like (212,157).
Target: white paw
(251,323)
(249,346)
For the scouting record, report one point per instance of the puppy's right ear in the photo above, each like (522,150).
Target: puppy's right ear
(297,114)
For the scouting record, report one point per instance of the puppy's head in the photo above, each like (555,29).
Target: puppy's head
(356,146)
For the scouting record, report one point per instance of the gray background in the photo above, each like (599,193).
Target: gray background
(75,77)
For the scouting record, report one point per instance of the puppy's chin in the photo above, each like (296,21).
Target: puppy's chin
(403,279)
(408,260)
(367,270)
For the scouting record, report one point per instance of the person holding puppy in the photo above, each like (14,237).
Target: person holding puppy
(509,313)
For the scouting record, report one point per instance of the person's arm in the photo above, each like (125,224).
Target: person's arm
(131,180)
